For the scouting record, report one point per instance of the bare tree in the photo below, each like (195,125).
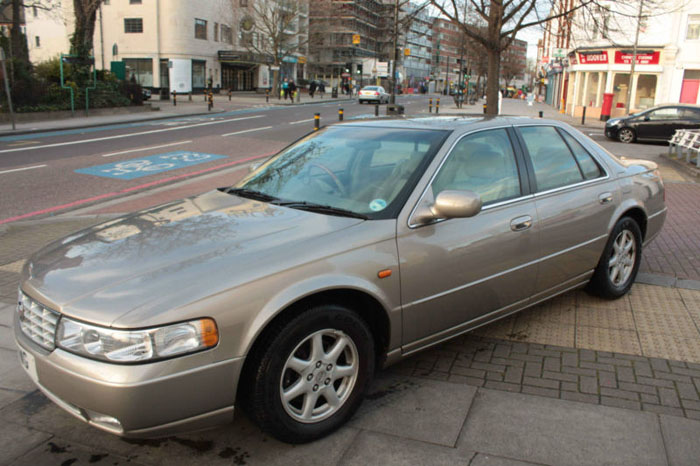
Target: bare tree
(274,29)
(85,12)
(498,22)
(512,65)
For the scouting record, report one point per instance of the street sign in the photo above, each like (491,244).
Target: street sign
(382,69)
(545,60)
(302,59)
(274,68)
(559,53)
(406,52)
(356,39)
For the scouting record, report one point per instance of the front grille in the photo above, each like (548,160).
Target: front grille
(37,322)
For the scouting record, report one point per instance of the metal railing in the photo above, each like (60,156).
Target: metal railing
(686,144)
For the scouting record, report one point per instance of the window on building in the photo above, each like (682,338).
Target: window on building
(200,29)
(105,2)
(35,11)
(244,3)
(646,91)
(216,32)
(226,35)
(133,25)
(693,31)
(134,2)
(37,41)
(139,70)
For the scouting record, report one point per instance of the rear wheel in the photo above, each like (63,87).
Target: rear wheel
(619,263)
(626,135)
(309,375)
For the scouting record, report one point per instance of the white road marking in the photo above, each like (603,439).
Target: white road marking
(246,131)
(595,134)
(118,136)
(300,121)
(145,148)
(22,169)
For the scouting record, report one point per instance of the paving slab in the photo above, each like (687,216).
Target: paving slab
(682,438)
(56,451)
(549,431)
(372,448)
(6,314)
(424,410)
(490,460)
(15,440)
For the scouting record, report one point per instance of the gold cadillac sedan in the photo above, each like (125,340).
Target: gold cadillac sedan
(351,249)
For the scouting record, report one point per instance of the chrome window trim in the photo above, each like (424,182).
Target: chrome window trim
(413,226)
(570,186)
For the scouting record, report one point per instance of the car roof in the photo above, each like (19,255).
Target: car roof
(449,123)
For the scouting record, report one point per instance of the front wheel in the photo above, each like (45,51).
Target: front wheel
(619,263)
(310,374)
(626,135)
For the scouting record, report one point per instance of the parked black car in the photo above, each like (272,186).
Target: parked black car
(655,124)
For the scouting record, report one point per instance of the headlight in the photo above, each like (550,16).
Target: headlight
(612,122)
(116,345)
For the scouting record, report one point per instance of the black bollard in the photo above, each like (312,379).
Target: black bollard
(376,109)
(541,112)
(437,106)
(583,117)
(340,114)
(317,121)
(430,106)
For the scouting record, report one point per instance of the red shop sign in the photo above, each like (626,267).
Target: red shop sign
(643,58)
(589,58)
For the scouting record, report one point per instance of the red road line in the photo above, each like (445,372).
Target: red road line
(128,190)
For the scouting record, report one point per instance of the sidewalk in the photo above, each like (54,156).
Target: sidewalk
(513,107)
(163,109)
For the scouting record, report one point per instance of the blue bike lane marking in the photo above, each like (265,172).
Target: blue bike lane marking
(144,166)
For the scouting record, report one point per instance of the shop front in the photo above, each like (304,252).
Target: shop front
(240,71)
(595,73)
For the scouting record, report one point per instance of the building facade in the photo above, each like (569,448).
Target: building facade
(599,59)
(220,39)
(417,57)
(448,44)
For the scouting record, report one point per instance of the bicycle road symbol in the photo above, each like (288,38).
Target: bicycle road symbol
(136,168)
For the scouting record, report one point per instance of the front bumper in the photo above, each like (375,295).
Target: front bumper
(148,400)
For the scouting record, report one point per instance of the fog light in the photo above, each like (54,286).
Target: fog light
(109,423)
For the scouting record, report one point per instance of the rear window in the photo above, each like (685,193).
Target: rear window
(588,165)
(553,162)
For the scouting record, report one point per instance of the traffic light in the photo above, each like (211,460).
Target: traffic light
(348,67)
(359,69)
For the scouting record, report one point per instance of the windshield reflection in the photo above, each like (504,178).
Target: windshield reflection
(363,170)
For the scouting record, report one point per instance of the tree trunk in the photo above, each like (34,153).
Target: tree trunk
(85,17)
(492,87)
(276,79)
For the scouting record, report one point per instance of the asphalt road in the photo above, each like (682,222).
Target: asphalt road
(48,173)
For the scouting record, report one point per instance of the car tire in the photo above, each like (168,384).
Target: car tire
(626,135)
(295,359)
(619,264)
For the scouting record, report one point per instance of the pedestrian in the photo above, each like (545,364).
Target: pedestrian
(292,89)
(322,89)
(285,88)
(312,89)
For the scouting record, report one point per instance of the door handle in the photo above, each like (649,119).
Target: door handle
(605,198)
(521,223)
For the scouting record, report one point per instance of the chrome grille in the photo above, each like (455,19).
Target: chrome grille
(37,322)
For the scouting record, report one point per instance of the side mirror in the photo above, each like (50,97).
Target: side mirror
(449,204)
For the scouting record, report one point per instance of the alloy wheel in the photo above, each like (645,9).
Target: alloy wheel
(319,375)
(622,258)
(626,135)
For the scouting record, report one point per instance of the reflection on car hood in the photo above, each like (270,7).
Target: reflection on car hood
(107,270)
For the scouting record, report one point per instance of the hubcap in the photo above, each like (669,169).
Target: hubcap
(319,376)
(626,135)
(622,258)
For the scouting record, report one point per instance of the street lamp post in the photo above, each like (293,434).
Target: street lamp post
(393,67)
(634,58)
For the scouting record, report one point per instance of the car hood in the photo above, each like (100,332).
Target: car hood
(106,271)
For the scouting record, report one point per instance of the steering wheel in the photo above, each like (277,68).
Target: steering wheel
(338,184)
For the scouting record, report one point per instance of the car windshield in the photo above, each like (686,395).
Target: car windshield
(363,170)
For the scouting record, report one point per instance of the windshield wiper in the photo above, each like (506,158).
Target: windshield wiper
(320,208)
(249,193)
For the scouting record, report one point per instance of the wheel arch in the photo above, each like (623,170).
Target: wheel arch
(367,306)
(638,215)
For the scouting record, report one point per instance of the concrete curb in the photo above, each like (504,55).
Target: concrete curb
(97,125)
(683,165)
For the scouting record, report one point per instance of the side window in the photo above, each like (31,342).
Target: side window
(484,163)
(668,113)
(552,160)
(589,167)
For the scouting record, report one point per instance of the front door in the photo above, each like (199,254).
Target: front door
(457,270)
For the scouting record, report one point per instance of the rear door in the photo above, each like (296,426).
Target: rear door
(575,198)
